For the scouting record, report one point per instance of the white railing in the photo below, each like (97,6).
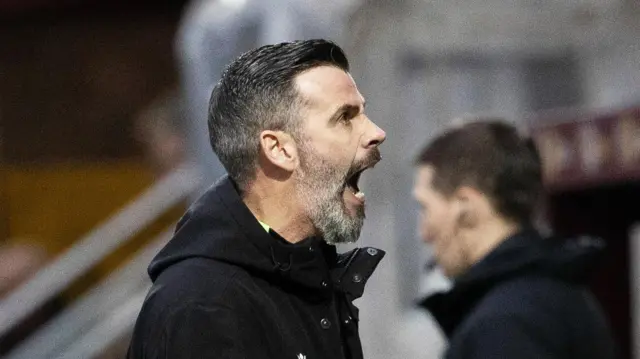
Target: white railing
(98,311)
(88,251)
(98,338)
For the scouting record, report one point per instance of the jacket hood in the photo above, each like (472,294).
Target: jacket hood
(219,226)
(570,260)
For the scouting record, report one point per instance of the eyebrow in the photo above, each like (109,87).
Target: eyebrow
(347,107)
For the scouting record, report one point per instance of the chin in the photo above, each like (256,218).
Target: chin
(453,271)
(336,219)
(342,230)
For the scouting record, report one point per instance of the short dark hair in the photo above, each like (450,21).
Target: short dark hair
(491,156)
(257,93)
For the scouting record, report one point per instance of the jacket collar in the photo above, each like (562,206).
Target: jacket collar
(311,263)
(515,255)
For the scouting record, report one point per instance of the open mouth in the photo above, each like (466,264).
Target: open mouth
(353,186)
(352,182)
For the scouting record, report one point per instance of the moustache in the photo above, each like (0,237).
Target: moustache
(371,158)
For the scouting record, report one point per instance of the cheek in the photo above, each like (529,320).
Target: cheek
(429,227)
(332,154)
(333,140)
(447,248)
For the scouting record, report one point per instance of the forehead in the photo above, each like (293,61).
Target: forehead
(424,176)
(422,187)
(328,86)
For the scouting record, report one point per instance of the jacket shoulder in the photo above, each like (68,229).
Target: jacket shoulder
(535,315)
(535,295)
(190,298)
(199,281)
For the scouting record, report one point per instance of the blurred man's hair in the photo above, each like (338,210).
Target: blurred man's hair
(490,155)
(257,93)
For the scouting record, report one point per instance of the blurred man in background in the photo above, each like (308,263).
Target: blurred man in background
(159,128)
(515,294)
(252,271)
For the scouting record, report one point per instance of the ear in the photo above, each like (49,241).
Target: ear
(279,149)
(468,202)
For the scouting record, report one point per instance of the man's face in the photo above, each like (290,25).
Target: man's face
(338,142)
(439,224)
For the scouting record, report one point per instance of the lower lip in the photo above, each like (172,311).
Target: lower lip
(353,197)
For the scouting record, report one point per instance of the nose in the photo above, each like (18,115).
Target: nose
(376,135)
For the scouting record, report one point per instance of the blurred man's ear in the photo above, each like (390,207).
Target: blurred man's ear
(469,206)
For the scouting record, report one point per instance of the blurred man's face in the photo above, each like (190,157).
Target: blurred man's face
(338,142)
(439,224)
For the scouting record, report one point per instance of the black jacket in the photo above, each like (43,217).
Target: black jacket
(224,288)
(526,299)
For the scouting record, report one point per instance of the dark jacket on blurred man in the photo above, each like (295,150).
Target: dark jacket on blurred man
(526,299)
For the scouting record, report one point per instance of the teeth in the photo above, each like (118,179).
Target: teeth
(360,195)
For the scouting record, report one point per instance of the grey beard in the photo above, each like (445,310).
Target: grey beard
(321,187)
(333,221)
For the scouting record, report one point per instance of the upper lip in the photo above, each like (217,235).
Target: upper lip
(373,160)
(356,174)
(363,168)
(367,166)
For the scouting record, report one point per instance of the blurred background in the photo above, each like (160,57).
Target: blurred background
(103,143)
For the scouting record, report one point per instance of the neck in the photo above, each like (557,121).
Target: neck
(275,204)
(489,236)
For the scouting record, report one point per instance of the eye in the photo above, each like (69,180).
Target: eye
(346,117)
(350,114)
